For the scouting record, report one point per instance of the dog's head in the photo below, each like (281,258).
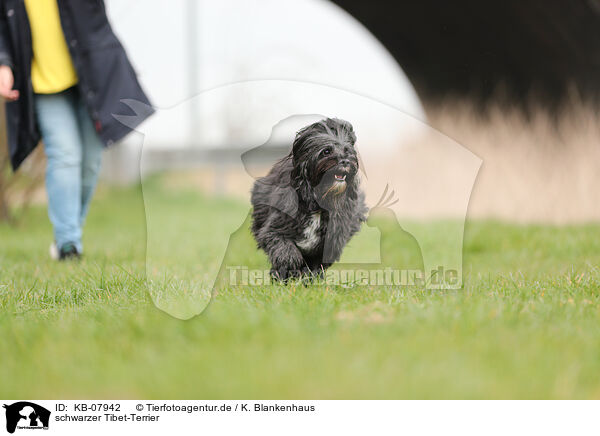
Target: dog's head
(325,163)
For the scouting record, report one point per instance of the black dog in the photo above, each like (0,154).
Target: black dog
(309,205)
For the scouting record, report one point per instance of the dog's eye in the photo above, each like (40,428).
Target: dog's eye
(326,152)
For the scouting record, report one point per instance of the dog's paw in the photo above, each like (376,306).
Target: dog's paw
(287,262)
(284,274)
(280,274)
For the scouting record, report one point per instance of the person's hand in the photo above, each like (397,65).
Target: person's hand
(6,84)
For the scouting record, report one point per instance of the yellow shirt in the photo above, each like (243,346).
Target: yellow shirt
(52,67)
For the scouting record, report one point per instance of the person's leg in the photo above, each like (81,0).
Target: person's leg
(91,159)
(59,126)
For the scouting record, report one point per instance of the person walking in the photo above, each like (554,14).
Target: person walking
(64,74)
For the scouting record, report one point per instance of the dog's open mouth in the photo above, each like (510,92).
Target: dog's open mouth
(338,184)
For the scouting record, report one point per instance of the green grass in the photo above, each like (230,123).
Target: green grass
(526,324)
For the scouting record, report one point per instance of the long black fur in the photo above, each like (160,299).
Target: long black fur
(302,186)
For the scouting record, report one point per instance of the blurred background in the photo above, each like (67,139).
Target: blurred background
(516,83)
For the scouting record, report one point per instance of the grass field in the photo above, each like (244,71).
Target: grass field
(526,324)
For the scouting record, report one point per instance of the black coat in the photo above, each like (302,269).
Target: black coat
(105,74)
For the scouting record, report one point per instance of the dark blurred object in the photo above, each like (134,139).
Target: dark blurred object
(18,189)
(512,50)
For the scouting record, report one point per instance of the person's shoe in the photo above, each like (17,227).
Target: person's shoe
(67,252)
(54,254)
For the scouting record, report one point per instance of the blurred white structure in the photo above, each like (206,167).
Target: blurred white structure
(183,47)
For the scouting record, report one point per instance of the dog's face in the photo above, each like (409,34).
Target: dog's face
(325,161)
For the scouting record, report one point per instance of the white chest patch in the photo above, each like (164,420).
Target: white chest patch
(311,236)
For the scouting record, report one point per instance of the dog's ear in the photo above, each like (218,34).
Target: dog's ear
(301,138)
(299,181)
(296,174)
(305,192)
(298,141)
(299,174)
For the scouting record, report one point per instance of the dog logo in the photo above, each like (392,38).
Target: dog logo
(426,179)
(26,415)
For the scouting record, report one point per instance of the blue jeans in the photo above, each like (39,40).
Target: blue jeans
(74,153)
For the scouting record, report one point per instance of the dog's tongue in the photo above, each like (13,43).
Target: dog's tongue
(340,177)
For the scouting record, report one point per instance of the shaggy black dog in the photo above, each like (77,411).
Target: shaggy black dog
(309,205)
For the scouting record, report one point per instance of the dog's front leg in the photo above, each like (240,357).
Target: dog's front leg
(286,260)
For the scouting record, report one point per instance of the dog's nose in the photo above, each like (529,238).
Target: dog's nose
(344,162)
